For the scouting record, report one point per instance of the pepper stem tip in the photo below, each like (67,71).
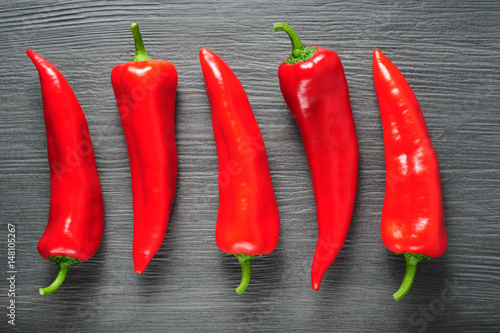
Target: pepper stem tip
(299,53)
(294,38)
(140,51)
(246,267)
(63,262)
(411,268)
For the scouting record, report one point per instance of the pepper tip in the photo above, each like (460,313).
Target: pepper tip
(316,285)
(377,54)
(205,53)
(31,54)
(141,261)
(141,269)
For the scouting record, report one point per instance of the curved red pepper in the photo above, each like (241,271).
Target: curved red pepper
(314,87)
(248,218)
(413,214)
(145,94)
(76,216)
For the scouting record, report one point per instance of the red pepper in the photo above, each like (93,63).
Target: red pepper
(145,94)
(314,87)
(413,214)
(76,216)
(248,219)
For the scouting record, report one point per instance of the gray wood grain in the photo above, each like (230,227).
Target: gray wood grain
(449,52)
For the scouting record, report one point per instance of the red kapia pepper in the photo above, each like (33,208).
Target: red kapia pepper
(76,215)
(314,87)
(145,94)
(248,219)
(413,214)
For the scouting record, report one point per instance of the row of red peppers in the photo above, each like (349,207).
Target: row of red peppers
(314,87)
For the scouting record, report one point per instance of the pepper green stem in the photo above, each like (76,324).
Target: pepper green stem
(411,268)
(246,266)
(64,263)
(140,51)
(299,53)
(294,38)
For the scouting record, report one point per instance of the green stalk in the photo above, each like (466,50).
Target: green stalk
(140,51)
(411,268)
(246,266)
(299,53)
(63,262)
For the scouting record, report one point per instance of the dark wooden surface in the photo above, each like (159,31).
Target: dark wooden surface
(449,52)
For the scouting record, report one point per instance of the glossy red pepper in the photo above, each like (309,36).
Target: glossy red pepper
(76,215)
(145,94)
(315,89)
(248,218)
(413,214)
